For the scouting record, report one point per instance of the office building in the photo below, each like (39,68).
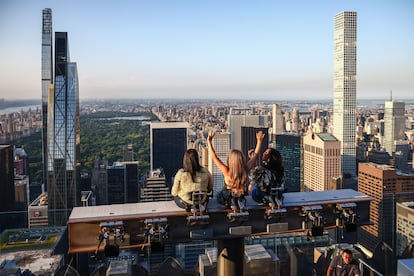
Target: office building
(221,144)
(99,181)
(6,178)
(386,186)
(187,253)
(47,79)
(379,157)
(344,105)
(404,227)
(117,184)
(20,162)
(155,187)
(239,117)
(394,125)
(128,154)
(21,190)
(248,135)
(278,122)
(321,161)
(63,135)
(169,142)
(295,121)
(38,212)
(290,148)
(132,178)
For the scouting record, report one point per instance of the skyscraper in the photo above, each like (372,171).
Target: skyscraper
(278,122)
(47,76)
(239,117)
(128,154)
(344,107)
(6,178)
(63,135)
(321,161)
(221,144)
(405,227)
(386,186)
(394,124)
(248,141)
(168,144)
(117,184)
(290,148)
(99,181)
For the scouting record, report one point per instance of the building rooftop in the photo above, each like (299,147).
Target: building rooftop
(321,197)
(327,137)
(30,249)
(409,204)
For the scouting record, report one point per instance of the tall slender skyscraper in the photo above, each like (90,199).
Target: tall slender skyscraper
(63,135)
(344,108)
(47,76)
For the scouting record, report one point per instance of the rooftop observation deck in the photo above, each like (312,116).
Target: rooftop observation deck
(134,220)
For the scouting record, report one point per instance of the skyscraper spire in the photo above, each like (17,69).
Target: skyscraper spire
(47,79)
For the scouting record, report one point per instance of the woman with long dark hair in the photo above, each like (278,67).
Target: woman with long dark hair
(192,177)
(268,179)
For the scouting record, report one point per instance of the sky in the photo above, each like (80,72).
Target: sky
(215,49)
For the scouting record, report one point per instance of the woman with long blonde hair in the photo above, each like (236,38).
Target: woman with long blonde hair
(236,170)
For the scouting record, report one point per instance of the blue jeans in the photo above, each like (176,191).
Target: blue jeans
(258,195)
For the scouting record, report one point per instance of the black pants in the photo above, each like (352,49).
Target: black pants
(180,203)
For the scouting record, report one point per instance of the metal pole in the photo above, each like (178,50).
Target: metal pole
(230,256)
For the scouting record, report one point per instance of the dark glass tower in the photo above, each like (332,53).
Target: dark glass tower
(168,144)
(248,140)
(47,76)
(290,148)
(6,178)
(117,184)
(63,135)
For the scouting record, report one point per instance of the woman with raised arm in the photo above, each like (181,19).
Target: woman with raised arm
(192,177)
(267,180)
(235,171)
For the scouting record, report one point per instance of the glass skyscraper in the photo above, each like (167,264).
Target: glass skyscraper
(169,142)
(47,76)
(63,135)
(344,107)
(290,148)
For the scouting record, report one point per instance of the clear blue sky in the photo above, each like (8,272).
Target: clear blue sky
(209,49)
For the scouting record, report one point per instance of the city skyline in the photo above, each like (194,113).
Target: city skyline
(209,50)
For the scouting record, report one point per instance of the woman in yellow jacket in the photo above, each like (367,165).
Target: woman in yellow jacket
(192,177)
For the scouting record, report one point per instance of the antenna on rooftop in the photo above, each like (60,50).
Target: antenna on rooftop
(391,95)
